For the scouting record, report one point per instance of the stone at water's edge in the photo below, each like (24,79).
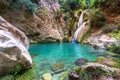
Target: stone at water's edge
(13,48)
(81,61)
(47,76)
(96,71)
(74,76)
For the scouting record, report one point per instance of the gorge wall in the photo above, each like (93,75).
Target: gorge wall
(41,26)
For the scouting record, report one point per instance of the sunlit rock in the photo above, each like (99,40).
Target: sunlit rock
(13,49)
(47,76)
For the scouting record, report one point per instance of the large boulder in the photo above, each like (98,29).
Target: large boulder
(13,49)
(96,71)
(81,61)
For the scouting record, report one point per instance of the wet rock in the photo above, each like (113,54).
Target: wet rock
(13,49)
(74,76)
(58,67)
(47,76)
(81,62)
(96,71)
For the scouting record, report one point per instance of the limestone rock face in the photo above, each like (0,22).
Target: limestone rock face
(13,48)
(102,40)
(42,26)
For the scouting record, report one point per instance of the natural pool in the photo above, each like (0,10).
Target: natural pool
(64,54)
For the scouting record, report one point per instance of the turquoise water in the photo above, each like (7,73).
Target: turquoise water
(45,55)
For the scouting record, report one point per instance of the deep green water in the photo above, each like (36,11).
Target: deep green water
(45,55)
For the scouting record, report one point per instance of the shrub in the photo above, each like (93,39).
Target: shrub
(107,29)
(4,4)
(66,16)
(96,17)
(30,6)
(115,49)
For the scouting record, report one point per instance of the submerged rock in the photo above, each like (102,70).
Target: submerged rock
(58,67)
(47,76)
(13,49)
(81,62)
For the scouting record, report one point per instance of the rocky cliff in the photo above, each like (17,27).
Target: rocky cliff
(42,26)
(13,49)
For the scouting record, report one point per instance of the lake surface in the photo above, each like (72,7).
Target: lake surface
(46,55)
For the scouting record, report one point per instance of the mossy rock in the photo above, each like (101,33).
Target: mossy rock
(109,61)
(92,71)
(117,64)
(65,76)
(58,66)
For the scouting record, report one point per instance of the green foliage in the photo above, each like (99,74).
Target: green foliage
(68,5)
(82,3)
(116,35)
(117,65)
(92,3)
(65,76)
(42,11)
(115,49)
(100,59)
(18,69)
(96,17)
(30,6)
(28,75)
(26,4)
(66,16)
(58,15)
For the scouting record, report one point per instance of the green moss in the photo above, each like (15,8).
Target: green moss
(76,68)
(114,49)
(65,76)
(99,59)
(117,65)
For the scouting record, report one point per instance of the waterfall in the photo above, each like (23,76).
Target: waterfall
(81,24)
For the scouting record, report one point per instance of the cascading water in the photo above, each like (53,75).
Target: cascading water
(81,24)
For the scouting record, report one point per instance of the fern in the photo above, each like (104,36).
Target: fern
(91,4)
(82,3)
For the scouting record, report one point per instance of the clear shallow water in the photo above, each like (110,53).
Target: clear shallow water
(45,55)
